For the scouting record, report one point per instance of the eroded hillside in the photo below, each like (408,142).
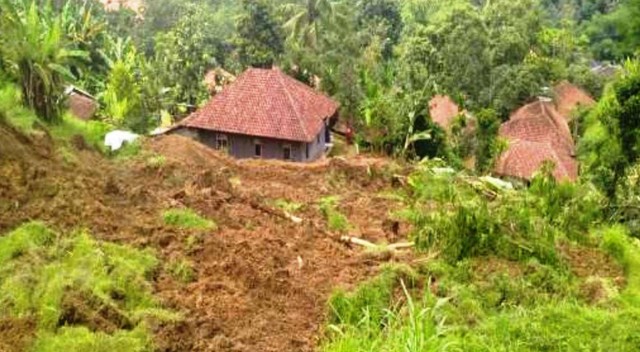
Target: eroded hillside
(258,280)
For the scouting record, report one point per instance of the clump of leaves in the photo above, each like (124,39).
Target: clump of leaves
(187,219)
(336,221)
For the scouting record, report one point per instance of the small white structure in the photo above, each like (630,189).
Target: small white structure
(116,139)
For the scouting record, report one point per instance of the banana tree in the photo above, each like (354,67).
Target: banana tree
(38,55)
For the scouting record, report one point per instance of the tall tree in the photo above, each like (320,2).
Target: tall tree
(259,38)
(308,20)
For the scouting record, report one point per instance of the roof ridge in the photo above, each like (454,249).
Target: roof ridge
(281,78)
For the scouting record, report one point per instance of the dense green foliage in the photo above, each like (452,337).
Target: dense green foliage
(383,60)
(496,279)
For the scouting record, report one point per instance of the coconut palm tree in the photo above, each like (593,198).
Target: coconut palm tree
(37,54)
(306,21)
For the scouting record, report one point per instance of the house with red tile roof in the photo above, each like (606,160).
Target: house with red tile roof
(443,111)
(265,114)
(537,133)
(569,97)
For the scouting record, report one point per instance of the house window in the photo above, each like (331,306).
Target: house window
(319,134)
(307,150)
(222,142)
(286,152)
(258,148)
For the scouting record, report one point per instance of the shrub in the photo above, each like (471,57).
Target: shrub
(156,161)
(618,244)
(187,219)
(462,218)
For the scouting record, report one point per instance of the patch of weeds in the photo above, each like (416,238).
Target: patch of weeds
(182,270)
(616,242)
(156,162)
(336,221)
(193,242)
(81,339)
(129,151)
(101,289)
(187,219)
(93,132)
(371,298)
(288,206)
(13,111)
(68,157)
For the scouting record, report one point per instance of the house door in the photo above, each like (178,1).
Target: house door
(286,150)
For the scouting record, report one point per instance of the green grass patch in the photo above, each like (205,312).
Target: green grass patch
(93,132)
(81,339)
(12,110)
(336,221)
(187,219)
(128,151)
(617,242)
(497,280)
(182,270)
(73,280)
(564,326)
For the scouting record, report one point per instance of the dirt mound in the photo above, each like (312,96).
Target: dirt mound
(16,334)
(261,280)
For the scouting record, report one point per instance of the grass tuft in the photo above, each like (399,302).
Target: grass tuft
(187,219)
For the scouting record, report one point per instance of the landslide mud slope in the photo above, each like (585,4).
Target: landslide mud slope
(261,281)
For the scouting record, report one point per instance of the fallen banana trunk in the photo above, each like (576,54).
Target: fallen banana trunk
(370,245)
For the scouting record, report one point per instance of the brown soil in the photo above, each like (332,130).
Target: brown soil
(262,282)
(588,262)
(16,334)
(593,268)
